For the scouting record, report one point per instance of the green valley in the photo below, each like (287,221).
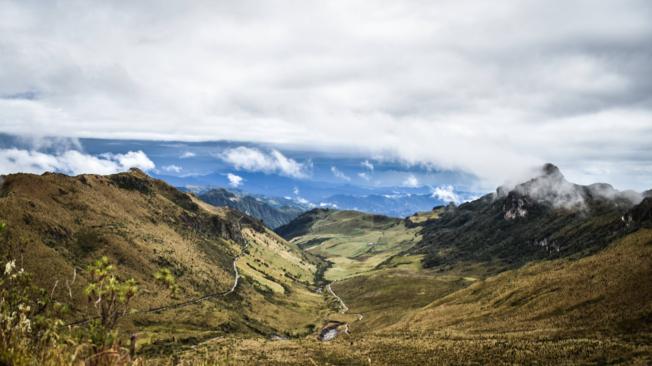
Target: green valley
(353,242)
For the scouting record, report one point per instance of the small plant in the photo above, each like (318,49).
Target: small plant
(108,294)
(111,299)
(165,278)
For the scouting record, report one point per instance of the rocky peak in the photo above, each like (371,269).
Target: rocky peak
(515,206)
(549,188)
(552,188)
(551,170)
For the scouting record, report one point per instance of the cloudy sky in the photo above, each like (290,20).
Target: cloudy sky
(486,88)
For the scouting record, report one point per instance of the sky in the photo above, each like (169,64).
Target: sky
(484,89)
(225,163)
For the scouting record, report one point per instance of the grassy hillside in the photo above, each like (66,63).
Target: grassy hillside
(352,241)
(370,264)
(58,224)
(498,294)
(603,294)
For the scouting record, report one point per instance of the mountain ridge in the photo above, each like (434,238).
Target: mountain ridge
(58,224)
(272,216)
(544,217)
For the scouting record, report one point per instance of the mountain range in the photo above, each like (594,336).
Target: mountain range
(273,212)
(393,201)
(278,211)
(544,272)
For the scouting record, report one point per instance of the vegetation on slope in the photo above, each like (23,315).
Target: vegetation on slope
(604,294)
(544,218)
(60,224)
(354,242)
(593,310)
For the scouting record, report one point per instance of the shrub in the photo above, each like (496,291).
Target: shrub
(166,279)
(31,331)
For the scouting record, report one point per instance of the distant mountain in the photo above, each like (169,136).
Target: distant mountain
(395,205)
(273,212)
(389,201)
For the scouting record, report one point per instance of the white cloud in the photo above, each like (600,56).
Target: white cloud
(411,181)
(367,164)
(444,83)
(235,181)
(132,159)
(70,162)
(304,201)
(446,193)
(255,160)
(364,176)
(340,174)
(172,168)
(295,190)
(187,154)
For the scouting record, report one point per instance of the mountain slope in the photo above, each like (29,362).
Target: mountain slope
(272,215)
(354,242)
(546,217)
(606,293)
(58,224)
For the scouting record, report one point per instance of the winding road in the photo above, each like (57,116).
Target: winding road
(237,276)
(328,334)
(235,270)
(343,307)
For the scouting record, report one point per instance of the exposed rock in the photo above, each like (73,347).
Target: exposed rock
(515,206)
(640,214)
